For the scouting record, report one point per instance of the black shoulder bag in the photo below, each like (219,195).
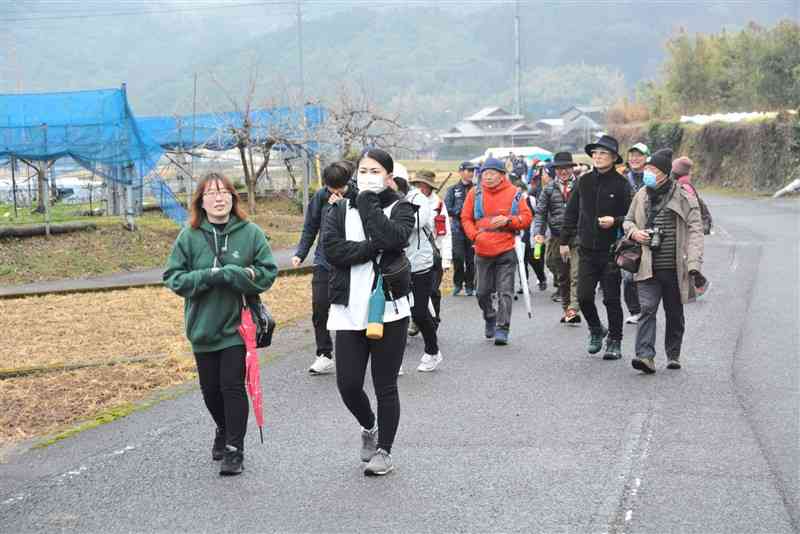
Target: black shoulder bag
(262,317)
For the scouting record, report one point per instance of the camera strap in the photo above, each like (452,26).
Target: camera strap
(651,218)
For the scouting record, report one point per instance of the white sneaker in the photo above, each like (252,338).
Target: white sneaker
(633,319)
(429,362)
(322,366)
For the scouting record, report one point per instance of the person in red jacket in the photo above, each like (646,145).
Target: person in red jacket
(494,212)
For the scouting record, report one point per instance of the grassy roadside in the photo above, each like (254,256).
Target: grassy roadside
(97,329)
(110,248)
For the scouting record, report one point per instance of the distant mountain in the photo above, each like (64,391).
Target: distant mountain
(431,64)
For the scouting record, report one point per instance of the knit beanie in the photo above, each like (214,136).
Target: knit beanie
(682,166)
(381,156)
(661,160)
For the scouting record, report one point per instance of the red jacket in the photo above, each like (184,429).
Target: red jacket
(497,201)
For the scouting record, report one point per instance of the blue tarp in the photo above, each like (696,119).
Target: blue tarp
(213,131)
(96,128)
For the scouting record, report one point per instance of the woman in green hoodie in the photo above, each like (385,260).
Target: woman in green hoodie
(216,260)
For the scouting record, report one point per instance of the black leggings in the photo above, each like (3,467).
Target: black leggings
(222,383)
(353,350)
(422,286)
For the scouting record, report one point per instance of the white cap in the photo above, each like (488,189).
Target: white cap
(400,171)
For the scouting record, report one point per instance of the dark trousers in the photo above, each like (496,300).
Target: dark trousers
(496,275)
(463,262)
(436,294)
(422,286)
(594,268)
(353,352)
(320,304)
(662,287)
(222,383)
(631,294)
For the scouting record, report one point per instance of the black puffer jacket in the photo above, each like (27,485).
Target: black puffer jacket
(596,195)
(389,236)
(550,208)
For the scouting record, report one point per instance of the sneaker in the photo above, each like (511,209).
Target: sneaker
(456,291)
(401,371)
(543,285)
(380,464)
(429,362)
(369,443)
(413,329)
(613,349)
(501,336)
(556,297)
(489,329)
(645,365)
(218,448)
(633,319)
(232,462)
(673,363)
(469,292)
(323,365)
(596,341)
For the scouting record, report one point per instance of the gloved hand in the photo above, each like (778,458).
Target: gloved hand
(699,279)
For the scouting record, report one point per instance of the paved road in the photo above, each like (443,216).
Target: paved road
(143,278)
(536,436)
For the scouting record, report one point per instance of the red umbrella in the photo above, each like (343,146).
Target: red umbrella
(247,329)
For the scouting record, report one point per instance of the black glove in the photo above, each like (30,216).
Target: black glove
(699,279)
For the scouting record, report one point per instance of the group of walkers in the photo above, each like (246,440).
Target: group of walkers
(383,241)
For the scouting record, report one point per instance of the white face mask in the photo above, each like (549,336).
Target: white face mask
(370,182)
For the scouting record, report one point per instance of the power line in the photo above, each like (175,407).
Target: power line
(263,3)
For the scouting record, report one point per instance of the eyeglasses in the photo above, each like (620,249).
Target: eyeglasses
(217,193)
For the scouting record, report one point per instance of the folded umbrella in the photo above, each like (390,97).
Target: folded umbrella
(523,275)
(247,329)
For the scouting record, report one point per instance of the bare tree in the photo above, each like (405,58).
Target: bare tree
(257,129)
(355,121)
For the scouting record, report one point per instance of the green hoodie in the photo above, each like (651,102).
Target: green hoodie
(213,298)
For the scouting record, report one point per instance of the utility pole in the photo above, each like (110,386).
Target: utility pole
(517,64)
(302,98)
(194,129)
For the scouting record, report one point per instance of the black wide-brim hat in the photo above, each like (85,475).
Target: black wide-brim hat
(563,159)
(607,142)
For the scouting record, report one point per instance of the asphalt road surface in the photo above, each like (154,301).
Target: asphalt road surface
(533,437)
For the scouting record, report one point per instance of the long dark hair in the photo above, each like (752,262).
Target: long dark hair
(196,211)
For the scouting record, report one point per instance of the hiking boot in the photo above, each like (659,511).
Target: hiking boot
(673,362)
(232,461)
(380,464)
(469,292)
(489,329)
(596,341)
(645,365)
(369,443)
(633,319)
(613,349)
(323,365)
(543,285)
(429,362)
(218,448)
(413,329)
(456,291)
(501,336)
